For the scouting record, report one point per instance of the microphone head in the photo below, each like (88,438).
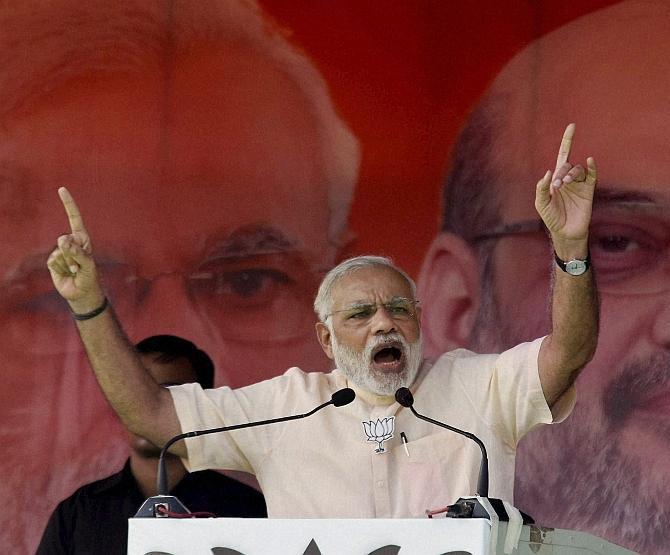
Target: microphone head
(404,397)
(343,397)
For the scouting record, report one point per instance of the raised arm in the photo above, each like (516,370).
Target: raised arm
(564,201)
(145,407)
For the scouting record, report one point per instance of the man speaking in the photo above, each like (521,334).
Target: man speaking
(349,462)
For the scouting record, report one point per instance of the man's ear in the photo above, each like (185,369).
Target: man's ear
(325,339)
(449,291)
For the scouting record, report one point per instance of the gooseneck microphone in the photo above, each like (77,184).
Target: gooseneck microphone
(406,399)
(164,503)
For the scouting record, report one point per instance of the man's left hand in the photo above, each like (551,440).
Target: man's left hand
(564,199)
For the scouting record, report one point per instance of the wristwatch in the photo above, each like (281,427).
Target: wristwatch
(575,267)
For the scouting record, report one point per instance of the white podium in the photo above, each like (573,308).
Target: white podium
(437,536)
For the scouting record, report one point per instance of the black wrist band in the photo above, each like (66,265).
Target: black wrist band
(95,312)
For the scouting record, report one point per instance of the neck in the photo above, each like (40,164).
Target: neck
(370,397)
(145,470)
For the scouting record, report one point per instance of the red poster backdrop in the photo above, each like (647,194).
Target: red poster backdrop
(403,77)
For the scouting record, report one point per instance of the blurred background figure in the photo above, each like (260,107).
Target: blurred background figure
(94,519)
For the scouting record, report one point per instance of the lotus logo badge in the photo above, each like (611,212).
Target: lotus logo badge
(380,431)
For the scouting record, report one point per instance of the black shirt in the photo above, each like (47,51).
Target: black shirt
(94,519)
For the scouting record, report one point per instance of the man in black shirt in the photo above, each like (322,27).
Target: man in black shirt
(94,519)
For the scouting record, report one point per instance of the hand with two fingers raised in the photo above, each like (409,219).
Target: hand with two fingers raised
(564,201)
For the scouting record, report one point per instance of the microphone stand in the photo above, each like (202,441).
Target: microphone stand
(405,398)
(465,507)
(483,479)
(163,504)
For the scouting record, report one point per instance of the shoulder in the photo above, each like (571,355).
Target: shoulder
(463,359)
(291,379)
(293,391)
(291,383)
(465,369)
(518,355)
(93,490)
(69,511)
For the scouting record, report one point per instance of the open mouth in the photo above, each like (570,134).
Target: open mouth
(388,356)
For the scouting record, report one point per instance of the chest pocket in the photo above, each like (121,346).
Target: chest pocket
(441,467)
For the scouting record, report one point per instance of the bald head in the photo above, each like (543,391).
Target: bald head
(608,71)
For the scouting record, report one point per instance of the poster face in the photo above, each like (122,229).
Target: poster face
(223,166)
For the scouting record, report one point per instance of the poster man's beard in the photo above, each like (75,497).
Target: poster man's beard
(574,475)
(358,369)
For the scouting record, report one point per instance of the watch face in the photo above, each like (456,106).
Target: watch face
(575,267)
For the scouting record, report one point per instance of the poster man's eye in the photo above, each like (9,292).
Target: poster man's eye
(243,287)
(243,299)
(617,243)
(621,251)
(247,283)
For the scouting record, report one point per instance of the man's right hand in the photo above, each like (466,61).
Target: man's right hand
(71,264)
(145,407)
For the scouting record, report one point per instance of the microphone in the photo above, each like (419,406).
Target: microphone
(406,399)
(163,504)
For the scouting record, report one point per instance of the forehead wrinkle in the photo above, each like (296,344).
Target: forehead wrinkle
(252,240)
(625,198)
(367,302)
(360,303)
(391,299)
(242,243)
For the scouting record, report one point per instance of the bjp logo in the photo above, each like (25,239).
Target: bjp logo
(380,431)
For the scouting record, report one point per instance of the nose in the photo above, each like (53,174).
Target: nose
(164,309)
(382,322)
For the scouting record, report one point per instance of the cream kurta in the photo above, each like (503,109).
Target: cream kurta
(325,467)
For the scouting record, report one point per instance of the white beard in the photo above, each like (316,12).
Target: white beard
(357,367)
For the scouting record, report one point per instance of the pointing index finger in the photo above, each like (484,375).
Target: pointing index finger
(73,215)
(566,145)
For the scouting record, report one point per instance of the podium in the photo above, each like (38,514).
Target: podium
(437,536)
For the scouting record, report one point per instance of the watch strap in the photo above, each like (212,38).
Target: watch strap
(562,264)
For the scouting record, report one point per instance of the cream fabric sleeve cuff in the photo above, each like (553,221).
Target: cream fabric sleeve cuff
(182,398)
(564,405)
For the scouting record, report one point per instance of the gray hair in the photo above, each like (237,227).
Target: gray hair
(323,302)
(46,45)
